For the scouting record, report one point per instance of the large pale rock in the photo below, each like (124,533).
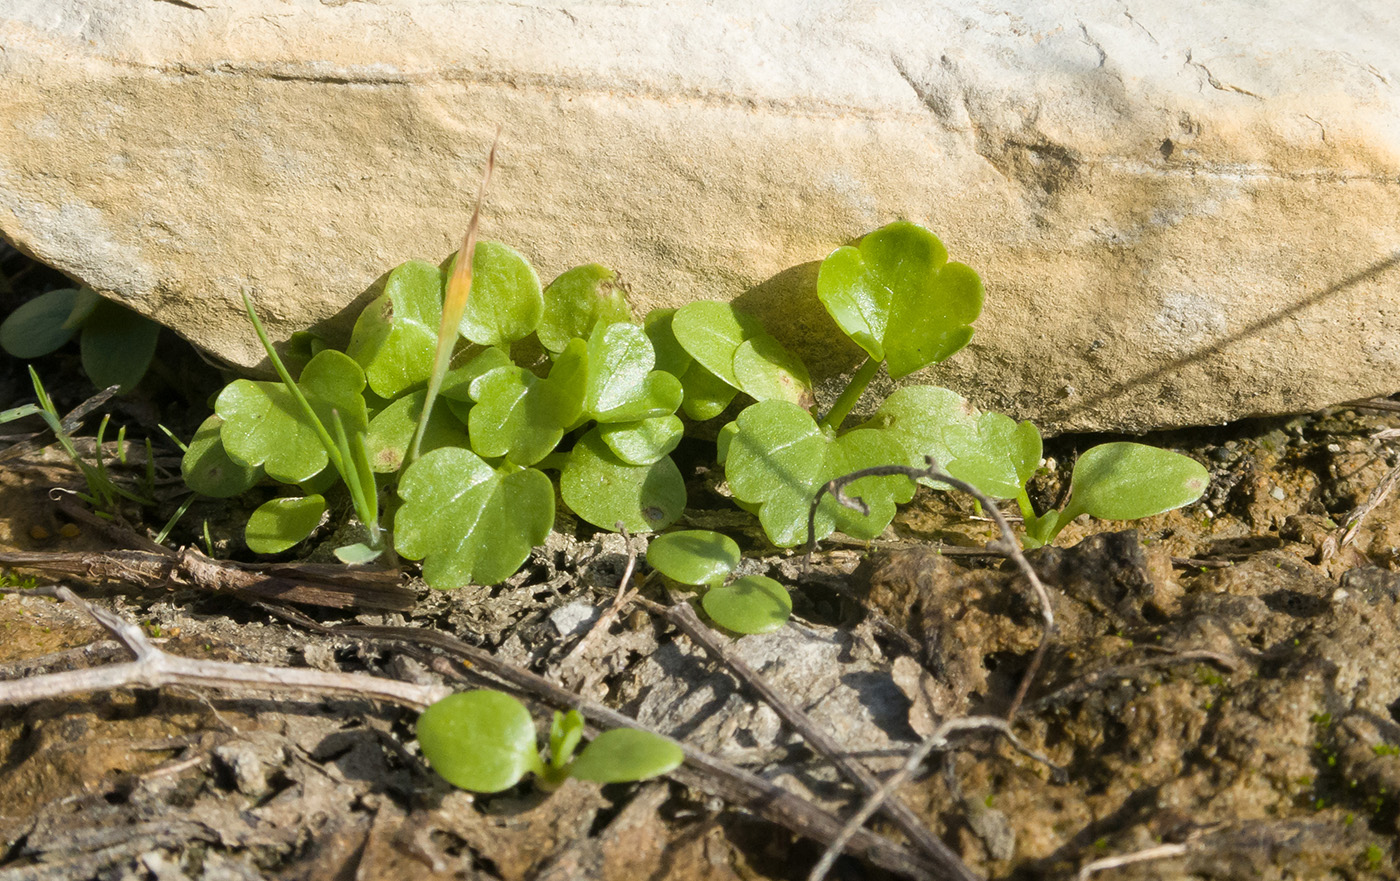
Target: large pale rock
(1184,212)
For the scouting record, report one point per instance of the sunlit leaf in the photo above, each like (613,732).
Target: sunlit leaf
(694,556)
(481,741)
(396,335)
(604,490)
(623,755)
(207,468)
(752,604)
(506,302)
(645,441)
(578,300)
(1125,481)
(467,521)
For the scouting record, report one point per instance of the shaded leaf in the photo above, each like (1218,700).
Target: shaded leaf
(117,345)
(39,326)
(712,332)
(207,468)
(671,356)
(282,523)
(603,490)
(768,372)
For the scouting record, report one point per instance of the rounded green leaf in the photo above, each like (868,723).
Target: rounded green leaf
(282,523)
(1125,481)
(660,395)
(706,395)
(505,303)
(752,604)
(897,296)
(670,355)
(712,332)
(39,326)
(516,416)
(207,468)
(263,424)
(391,431)
(395,336)
(604,490)
(768,372)
(620,358)
(693,556)
(577,301)
(468,522)
(623,755)
(482,741)
(117,345)
(778,458)
(643,442)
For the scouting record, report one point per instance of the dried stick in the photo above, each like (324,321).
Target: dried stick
(683,616)
(938,740)
(620,600)
(333,587)
(154,668)
(1160,852)
(701,770)
(1373,501)
(1008,545)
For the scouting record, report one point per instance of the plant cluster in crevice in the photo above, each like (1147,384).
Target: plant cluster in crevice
(467,484)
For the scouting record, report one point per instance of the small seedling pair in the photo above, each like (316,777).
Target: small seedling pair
(484,741)
(749,604)
(117,344)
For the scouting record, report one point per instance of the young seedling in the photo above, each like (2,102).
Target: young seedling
(484,741)
(749,604)
(117,344)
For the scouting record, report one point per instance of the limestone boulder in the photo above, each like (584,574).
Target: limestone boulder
(1184,212)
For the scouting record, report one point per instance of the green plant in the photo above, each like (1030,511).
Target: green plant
(484,741)
(434,401)
(117,344)
(749,604)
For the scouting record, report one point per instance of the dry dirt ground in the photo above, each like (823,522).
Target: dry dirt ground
(1221,697)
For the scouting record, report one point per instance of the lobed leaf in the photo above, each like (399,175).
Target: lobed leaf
(733,347)
(623,755)
(577,301)
(467,521)
(988,450)
(395,336)
(778,458)
(604,490)
(481,741)
(263,425)
(506,302)
(897,296)
(516,417)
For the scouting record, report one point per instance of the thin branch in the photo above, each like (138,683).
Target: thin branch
(683,616)
(701,770)
(1008,546)
(1373,500)
(154,668)
(937,741)
(620,601)
(1375,404)
(1160,852)
(333,587)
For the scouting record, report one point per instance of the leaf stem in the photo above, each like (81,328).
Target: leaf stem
(854,389)
(295,390)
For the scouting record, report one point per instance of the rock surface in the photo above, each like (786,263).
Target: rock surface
(1184,213)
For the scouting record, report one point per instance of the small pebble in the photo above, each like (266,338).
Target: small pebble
(70,530)
(1278,494)
(39,533)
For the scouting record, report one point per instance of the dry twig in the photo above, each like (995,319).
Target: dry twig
(938,741)
(683,616)
(701,770)
(1008,546)
(154,668)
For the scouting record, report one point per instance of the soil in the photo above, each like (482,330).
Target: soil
(1220,698)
